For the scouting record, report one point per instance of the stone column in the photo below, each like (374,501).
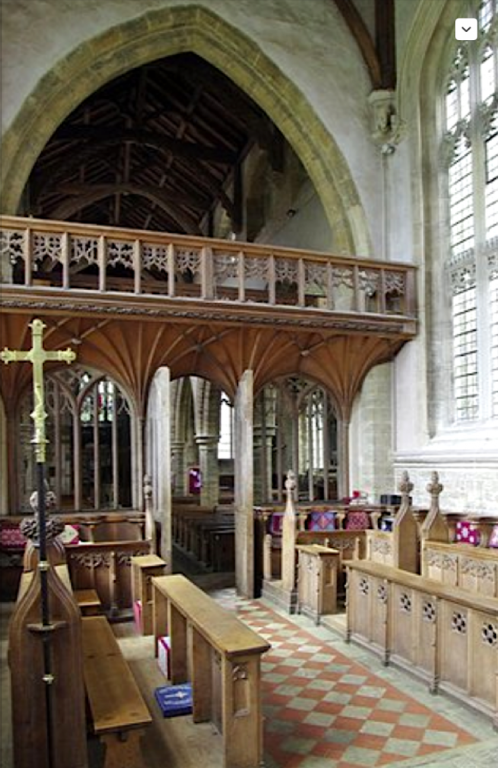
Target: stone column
(244,477)
(210,473)
(258,464)
(159,464)
(178,468)
(343,482)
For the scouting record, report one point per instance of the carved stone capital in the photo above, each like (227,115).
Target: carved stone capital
(387,128)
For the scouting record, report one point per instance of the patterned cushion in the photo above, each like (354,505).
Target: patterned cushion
(493,539)
(322,521)
(357,520)
(467,533)
(12,538)
(276,522)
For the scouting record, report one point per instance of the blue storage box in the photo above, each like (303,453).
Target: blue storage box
(174,700)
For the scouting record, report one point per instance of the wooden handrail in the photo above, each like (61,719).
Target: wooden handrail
(180,266)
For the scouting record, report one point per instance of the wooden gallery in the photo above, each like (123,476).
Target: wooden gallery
(249,384)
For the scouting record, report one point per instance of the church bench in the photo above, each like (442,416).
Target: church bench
(197,528)
(189,530)
(118,712)
(350,544)
(87,599)
(83,527)
(221,656)
(105,567)
(221,548)
(461,565)
(183,518)
(445,635)
(459,550)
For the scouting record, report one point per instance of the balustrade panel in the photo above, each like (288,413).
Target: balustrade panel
(76,256)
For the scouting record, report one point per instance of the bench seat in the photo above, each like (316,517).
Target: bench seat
(119,713)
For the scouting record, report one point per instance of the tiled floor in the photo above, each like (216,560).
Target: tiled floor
(328,704)
(326,709)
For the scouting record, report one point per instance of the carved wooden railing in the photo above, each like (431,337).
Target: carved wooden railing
(106,568)
(71,256)
(445,635)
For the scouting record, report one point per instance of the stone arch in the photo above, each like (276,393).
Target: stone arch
(166,32)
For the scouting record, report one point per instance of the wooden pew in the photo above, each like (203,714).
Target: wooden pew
(105,567)
(221,656)
(444,635)
(399,547)
(26,637)
(87,599)
(457,564)
(118,711)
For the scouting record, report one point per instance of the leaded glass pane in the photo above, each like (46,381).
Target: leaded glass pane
(488,83)
(465,354)
(486,10)
(461,202)
(451,106)
(493,289)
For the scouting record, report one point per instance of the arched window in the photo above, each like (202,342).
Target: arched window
(225,444)
(471,150)
(89,453)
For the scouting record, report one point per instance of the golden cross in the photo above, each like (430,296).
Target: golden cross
(37,356)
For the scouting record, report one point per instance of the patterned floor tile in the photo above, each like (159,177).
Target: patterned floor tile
(323,710)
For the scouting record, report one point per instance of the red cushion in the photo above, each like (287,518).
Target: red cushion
(11,537)
(467,533)
(357,520)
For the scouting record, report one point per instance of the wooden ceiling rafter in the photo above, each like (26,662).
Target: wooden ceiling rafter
(177,147)
(133,131)
(70,206)
(379,55)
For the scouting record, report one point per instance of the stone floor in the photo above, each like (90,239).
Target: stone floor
(327,704)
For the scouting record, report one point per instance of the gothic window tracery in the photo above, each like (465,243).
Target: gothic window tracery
(471,152)
(89,448)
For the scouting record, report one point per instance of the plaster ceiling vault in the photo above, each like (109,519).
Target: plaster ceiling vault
(157,148)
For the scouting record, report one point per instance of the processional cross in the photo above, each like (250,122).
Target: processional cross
(38,356)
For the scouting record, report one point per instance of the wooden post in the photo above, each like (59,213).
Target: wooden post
(244,491)
(289,534)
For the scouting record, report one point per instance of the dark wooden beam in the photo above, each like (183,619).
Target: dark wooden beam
(130,188)
(362,36)
(68,208)
(237,219)
(385,41)
(150,139)
(47,182)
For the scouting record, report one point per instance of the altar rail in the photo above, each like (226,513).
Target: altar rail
(444,635)
(78,256)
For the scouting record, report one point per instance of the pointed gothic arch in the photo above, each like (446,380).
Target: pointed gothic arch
(166,32)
